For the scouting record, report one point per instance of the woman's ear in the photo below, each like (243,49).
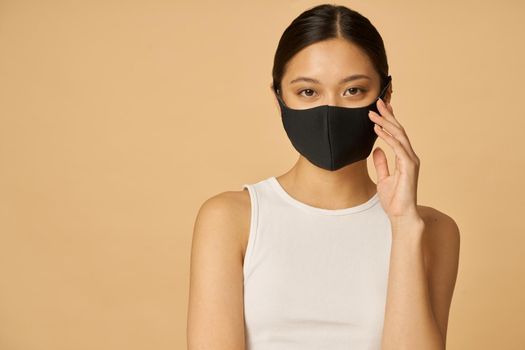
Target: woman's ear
(274,97)
(388,93)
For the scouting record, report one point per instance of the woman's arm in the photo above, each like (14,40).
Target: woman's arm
(420,284)
(441,245)
(423,268)
(215,311)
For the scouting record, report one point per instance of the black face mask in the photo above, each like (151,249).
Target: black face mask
(331,137)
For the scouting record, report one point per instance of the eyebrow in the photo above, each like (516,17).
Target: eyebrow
(344,80)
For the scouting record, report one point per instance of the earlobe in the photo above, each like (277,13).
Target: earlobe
(276,100)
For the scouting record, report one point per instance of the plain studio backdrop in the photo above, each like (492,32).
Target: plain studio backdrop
(118,119)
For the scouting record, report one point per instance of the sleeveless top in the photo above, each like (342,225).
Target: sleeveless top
(314,278)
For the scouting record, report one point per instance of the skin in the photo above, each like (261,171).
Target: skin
(425,241)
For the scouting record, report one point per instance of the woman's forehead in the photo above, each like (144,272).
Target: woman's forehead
(329,61)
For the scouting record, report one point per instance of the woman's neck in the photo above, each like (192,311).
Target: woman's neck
(343,188)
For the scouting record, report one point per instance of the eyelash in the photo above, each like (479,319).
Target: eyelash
(361,90)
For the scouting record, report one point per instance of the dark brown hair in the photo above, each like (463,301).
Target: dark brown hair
(324,22)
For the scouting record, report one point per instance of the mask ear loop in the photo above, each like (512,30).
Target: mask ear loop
(381,95)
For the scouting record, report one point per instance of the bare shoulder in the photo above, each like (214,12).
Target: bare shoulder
(227,212)
(216,273)
(442,236)
(440,228)
(227,201)
(441,244)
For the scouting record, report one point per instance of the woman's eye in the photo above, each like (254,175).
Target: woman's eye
(310,90)
(354,89)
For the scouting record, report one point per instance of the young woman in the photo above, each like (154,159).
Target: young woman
(321,257)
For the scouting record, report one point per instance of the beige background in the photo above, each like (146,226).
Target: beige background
(119,118)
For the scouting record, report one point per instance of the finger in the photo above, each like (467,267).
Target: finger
(395,131)
(398,148)
(387,113)
(386,124)
(381,164)
(389,106)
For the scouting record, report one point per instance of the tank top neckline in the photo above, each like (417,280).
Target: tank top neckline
(316,210)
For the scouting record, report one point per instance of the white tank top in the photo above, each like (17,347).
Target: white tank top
(314,278)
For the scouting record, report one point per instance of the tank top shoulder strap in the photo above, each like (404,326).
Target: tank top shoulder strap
(264,200)
(264,197)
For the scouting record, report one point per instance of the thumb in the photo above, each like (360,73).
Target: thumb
(381,163)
